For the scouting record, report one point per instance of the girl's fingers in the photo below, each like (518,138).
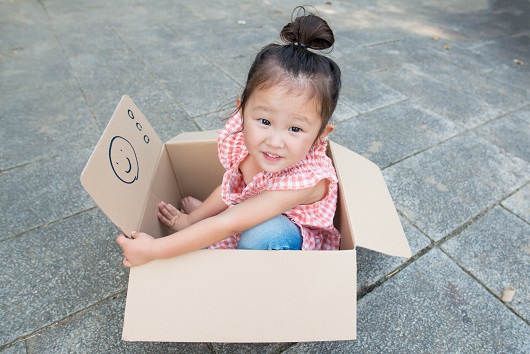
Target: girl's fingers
(172,209)
(161,206)
(168,208)
(164,220)
(170,212)
(165,213)
(121,239)
(126,263)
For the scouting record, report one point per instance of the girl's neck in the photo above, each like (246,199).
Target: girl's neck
(249,169)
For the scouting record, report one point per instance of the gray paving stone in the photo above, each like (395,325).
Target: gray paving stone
(422,48)
(227,45)
(250,348)
(364,94)
(503,96)
(151,40)
(519,203)
(342,112)
(39,124)
(24,24)
(195,96)
(167,9)
(216,120)
(42,192)
(496,250)
(474,59)
(511,133)
(517,43)
(365,37)
(178,12)
(502,52)
(104,78)
(93,36)
(104,93)
(472,20)
(34,65)
(384,56)
(55,271)
(99,331)
(17,348)
(463,55)
(442,188)
(67,14)
(235,64)
(368,18)
(373,267)
(392,133)
(237,33)
(487,38)
(431,306)
(461,108)
(107,69)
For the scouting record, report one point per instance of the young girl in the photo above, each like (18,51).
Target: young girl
(279,190)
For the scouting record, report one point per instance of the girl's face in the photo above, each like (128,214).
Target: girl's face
(280,127)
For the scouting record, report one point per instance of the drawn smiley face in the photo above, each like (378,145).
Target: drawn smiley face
(123,160)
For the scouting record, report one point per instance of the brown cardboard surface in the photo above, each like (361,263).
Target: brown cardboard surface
(119,172)
(236,295)
(243,296)
(196,165)
(366,205)
(163,188)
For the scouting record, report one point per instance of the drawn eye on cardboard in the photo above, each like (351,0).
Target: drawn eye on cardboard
(123,159)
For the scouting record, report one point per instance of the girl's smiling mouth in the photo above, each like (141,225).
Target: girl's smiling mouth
(271,157)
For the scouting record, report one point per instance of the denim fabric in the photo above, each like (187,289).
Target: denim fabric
(278,233)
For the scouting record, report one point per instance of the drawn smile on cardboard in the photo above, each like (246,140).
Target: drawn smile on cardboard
(123,160)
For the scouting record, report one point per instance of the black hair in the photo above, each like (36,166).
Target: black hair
(296,64)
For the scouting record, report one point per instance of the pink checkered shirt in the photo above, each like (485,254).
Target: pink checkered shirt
(315,220)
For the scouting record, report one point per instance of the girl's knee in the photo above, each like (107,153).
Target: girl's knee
(278,233)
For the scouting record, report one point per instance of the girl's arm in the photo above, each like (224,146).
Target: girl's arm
(143,248)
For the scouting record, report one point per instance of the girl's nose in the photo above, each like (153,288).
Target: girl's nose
(275,140)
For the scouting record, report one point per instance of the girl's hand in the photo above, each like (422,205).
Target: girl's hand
(171,217)
(138,250)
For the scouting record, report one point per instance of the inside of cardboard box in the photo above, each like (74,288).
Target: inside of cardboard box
(196,167)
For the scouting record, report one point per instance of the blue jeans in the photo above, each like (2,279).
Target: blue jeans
(278,233)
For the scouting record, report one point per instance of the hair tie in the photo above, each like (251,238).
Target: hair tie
(299,44)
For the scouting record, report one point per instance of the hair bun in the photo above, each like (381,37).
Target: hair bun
(308,30)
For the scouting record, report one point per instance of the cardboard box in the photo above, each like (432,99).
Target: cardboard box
(232,295)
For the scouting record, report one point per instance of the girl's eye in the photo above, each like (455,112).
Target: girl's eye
(264,121)
(295,129)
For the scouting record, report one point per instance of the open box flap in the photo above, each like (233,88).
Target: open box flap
(373,219)
(119,172)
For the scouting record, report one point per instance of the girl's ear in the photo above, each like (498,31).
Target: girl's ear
(238,102)
(327,130)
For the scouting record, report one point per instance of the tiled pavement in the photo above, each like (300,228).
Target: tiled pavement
(437,93)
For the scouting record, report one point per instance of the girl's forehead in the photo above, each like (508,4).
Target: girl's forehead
(286,90)
(276,96)
(286,100)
